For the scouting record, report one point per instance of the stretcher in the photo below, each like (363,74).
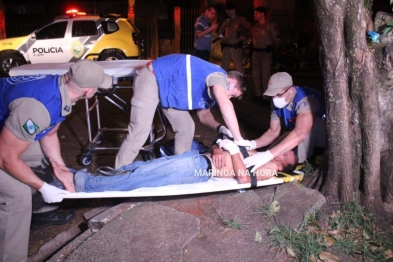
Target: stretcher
(119,70)
(212,185)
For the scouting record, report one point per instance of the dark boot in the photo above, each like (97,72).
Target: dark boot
(54,217)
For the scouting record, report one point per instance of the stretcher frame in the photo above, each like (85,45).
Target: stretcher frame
(119,70)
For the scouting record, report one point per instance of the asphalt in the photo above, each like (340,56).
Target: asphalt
(225,226)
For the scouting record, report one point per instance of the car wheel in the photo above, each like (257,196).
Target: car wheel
(9,61)
(110,56)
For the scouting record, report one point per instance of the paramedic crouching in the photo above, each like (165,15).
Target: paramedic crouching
(178,83)
(31,110)
(303,112)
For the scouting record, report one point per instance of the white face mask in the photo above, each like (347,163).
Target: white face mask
(280,102)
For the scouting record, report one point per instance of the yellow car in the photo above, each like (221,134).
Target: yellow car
(73,37)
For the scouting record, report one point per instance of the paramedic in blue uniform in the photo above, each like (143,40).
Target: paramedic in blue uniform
(31,110)
(303,113)
(178,83)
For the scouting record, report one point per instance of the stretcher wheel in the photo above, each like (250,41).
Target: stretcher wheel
(85,160)
(148,156)
(98,141)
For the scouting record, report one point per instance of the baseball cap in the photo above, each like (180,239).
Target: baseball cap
(261,9)
(277,82)
(230,6)
(87,73)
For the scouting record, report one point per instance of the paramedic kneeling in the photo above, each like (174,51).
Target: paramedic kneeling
(303,112)
(31,110)
(178,83)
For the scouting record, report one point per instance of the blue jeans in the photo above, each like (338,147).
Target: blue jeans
(178,169)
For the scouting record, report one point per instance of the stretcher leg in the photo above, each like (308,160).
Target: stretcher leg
(147,151)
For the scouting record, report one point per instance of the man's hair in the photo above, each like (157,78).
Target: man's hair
(240,78)
(211,6)
(290,167)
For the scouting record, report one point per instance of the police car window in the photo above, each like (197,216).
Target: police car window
(84,28)
(52,31)
(109,27)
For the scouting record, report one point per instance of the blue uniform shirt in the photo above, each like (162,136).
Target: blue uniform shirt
(302,92)
(181,81)
(43,90)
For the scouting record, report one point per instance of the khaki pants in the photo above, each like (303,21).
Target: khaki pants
(143,107)
(16,209)
(231,54)
(261,63)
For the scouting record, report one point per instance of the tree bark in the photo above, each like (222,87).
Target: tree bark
(339,175)
(353,120)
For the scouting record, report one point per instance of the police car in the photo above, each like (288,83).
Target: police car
(73,37)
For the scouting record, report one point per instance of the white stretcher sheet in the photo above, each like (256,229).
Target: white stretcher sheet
(114,68)
(212,185)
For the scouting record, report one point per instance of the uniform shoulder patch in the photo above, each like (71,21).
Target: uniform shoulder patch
(30,127)
(302,104)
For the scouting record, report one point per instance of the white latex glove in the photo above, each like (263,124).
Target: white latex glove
(229,146)
(52,194)
(225,131)
(257,160)
(246,143)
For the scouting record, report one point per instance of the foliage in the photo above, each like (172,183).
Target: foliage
(307,169)
(351,230)
(270,210)
(233,224)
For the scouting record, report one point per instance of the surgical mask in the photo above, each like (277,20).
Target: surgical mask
(280,102)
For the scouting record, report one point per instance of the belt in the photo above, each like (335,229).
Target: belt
(238,45)
(259,49)
(149,66)
(209,164)
(267,49)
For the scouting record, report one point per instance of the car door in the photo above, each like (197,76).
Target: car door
(84,35)
(49,44)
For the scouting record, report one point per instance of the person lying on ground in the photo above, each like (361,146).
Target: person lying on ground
(187,168)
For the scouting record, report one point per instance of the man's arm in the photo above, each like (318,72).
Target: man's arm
(202,33)
(11,148)
(51,146)
(227,111)
(304,122)
(206,117)
(270,135)
(240,169)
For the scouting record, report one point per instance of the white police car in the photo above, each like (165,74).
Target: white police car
(72,37)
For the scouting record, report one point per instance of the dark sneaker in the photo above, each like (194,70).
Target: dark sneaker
(41,220)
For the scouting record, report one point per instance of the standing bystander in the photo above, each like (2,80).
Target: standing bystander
(204,26)
(265,38)
(233,31)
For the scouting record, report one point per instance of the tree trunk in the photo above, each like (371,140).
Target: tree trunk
(353,123)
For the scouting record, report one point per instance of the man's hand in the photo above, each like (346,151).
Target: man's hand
(218,157)
(246,143)
(257,160)
(52,194)
(229,146)
(225,131)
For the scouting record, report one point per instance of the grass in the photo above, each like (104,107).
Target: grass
(233,224)
(270,211)
(350,231)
